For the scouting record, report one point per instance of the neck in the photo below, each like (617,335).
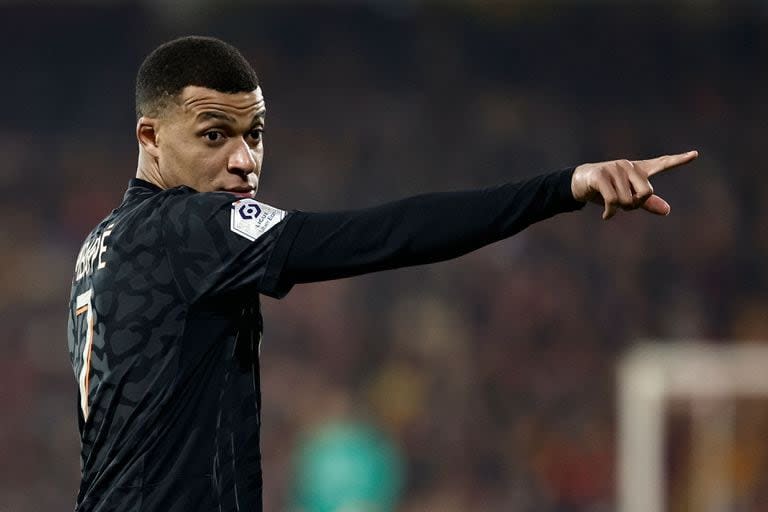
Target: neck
(148,170)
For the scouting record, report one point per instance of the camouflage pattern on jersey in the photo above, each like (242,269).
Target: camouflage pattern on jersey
(164,333)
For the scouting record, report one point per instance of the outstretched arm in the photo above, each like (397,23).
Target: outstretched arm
(436,227)
(420,229)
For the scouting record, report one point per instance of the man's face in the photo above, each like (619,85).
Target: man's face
(210,141)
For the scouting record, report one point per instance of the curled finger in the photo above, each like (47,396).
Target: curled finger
(642,188)
(622,185)
(657,205)
(610,200)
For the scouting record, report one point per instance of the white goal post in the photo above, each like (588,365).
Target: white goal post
(649,376)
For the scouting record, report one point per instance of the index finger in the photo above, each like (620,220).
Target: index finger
(662,163)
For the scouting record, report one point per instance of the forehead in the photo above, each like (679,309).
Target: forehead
(195,100)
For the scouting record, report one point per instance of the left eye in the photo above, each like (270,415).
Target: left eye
(256,134)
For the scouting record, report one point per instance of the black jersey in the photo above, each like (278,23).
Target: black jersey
(164,334)
(165,327)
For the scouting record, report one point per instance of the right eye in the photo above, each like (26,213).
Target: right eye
(213,136)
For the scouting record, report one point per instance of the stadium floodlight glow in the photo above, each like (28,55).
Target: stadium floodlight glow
(650,376)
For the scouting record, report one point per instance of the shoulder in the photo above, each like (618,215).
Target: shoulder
(184,205)
(186,210)
(144,216)
(191,198)
(185,199)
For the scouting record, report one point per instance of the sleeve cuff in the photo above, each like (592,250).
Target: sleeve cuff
(564,192)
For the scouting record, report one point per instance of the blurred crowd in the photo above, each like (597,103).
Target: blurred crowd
(494,374)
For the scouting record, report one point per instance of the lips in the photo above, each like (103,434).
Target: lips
(241,191)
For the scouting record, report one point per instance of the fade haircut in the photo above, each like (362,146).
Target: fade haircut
(192,60)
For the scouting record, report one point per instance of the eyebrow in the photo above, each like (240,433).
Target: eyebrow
(221,116)
(210,114)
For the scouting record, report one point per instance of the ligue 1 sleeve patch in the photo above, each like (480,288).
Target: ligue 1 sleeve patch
(251,219)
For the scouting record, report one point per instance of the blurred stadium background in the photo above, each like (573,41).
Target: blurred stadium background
(494,376)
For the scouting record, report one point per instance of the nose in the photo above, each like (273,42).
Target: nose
(242,160)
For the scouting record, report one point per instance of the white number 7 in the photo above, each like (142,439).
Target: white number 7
(83,305)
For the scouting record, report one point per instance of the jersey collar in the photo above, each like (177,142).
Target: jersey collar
(138,187)
(138,182)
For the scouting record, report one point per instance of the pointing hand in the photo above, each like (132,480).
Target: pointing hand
(624,183)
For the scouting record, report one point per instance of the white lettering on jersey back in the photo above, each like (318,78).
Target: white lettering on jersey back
(251,219)
(90,252)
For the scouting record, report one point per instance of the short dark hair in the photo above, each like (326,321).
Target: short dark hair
(191,60)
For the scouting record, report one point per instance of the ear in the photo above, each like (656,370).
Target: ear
(146,134)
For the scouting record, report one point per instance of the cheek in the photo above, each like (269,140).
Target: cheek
(193,164)
(174,153)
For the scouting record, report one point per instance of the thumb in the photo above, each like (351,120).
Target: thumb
(657,205)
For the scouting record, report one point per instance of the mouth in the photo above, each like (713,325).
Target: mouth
(243,192)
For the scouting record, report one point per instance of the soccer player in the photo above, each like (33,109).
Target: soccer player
(164,322)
